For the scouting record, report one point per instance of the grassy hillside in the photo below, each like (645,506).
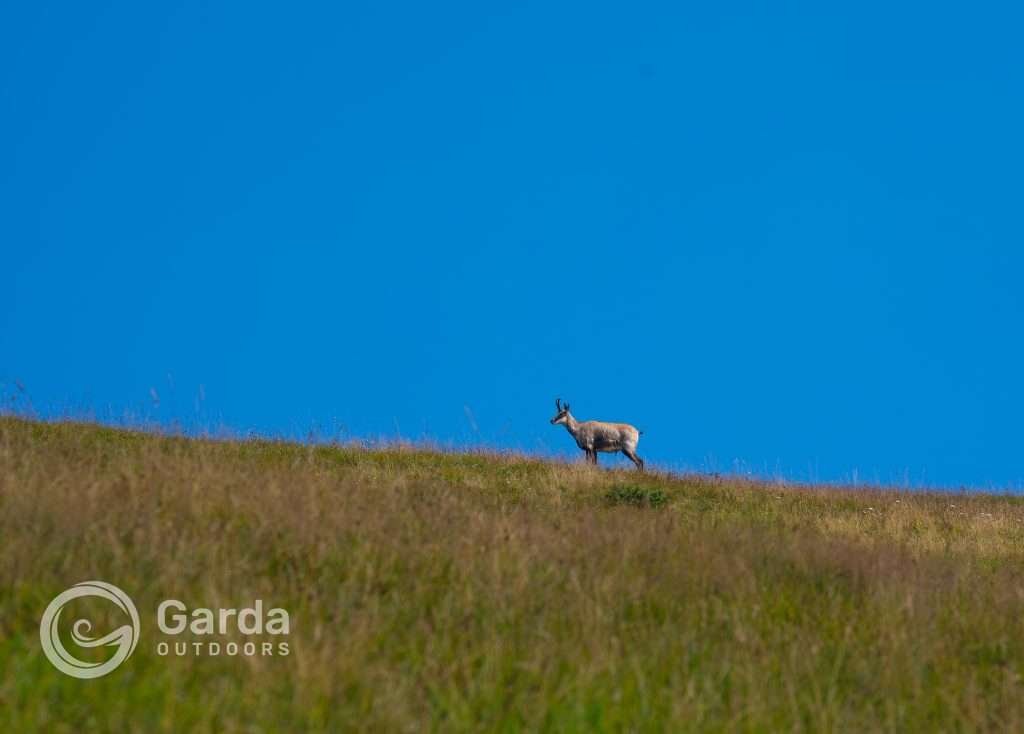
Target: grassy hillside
(483,592)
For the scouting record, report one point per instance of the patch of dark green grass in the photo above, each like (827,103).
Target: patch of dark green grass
(636,495)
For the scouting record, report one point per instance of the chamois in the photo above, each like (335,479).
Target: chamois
(594,436)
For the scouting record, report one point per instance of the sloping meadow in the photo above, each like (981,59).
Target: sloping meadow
(474,591)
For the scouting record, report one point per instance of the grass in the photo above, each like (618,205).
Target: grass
(635,495)
(483,592)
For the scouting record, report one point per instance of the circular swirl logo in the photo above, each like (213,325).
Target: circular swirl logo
(125,637)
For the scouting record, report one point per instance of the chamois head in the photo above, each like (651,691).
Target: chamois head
(563,412)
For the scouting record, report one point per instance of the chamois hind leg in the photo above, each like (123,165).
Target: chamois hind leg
(634,458)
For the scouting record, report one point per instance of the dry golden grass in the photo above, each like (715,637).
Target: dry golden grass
(480,592)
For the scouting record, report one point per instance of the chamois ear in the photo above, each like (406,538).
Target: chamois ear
(558,404)
(567,407)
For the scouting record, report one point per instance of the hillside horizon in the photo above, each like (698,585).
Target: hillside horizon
(567,454)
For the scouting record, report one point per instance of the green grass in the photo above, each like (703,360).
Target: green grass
(636,495)
(470,592)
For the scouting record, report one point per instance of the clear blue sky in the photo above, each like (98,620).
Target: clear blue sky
(788,236)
